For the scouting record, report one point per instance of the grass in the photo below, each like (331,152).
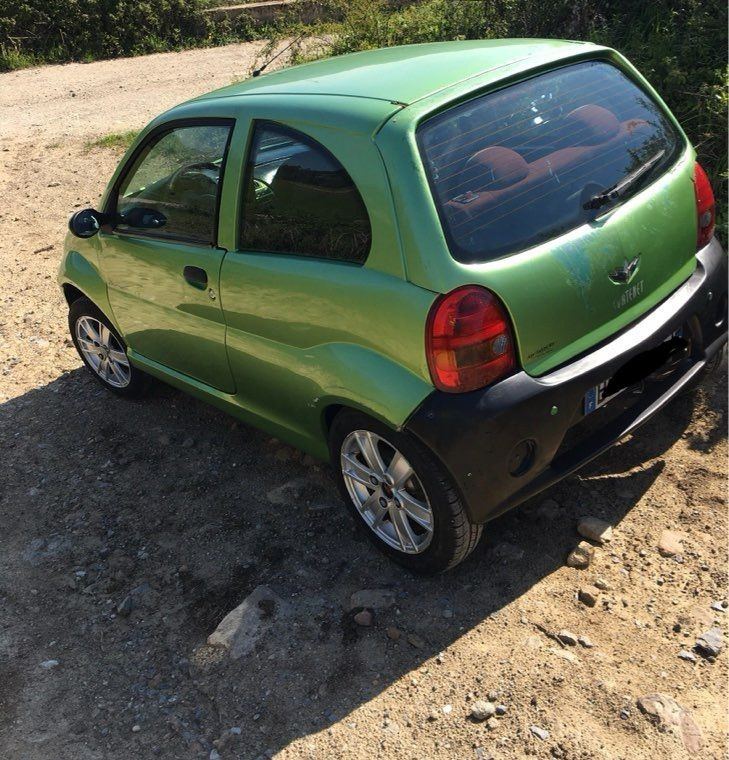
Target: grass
(114,141)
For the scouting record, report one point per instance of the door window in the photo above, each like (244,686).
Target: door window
(172,188)
(300,200)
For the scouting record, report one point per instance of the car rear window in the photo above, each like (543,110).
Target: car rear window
(516,167)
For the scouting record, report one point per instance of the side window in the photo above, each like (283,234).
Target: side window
(300,200)
(172,188)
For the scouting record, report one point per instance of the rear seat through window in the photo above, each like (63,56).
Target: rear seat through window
(514,168)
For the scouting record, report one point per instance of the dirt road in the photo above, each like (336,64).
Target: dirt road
(128,530)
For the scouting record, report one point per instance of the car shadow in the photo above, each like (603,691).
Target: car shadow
(182,511)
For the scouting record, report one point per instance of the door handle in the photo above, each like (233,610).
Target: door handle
(196,277)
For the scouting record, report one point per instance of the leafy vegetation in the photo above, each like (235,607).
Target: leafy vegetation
(116,140)
(55,31)
(679,45)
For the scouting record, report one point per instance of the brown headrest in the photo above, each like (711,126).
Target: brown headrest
(497,167)
(593,124)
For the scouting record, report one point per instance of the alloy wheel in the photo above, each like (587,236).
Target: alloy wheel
(386,492)
(103,352)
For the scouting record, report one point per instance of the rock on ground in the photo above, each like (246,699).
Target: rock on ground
(481,710)
(668,714)
(581,555)
(374,599)
(670,543)
(710,643)
(588,595)
(242,627)
(595,529)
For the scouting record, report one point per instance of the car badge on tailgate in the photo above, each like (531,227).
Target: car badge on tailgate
(622,275)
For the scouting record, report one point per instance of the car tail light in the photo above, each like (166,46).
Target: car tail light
(704,206)
(468,340)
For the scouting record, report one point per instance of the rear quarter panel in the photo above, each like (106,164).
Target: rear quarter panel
(550,273)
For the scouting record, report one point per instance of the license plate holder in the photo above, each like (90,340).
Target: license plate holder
(595,396)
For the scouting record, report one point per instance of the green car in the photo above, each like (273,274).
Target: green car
(457,271)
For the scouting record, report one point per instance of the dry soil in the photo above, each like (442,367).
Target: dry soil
(176,513)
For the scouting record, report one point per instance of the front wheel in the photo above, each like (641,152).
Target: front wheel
(103,350)
(400,494)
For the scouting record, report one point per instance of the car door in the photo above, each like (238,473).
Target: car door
(294,287)
(160,257)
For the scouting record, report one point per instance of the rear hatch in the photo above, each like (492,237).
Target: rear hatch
(570,196)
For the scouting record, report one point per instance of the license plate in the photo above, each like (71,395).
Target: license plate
(595,397)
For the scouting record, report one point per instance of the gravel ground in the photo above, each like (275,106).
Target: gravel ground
(129,530)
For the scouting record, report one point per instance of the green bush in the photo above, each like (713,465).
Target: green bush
(679,46)
(54,31)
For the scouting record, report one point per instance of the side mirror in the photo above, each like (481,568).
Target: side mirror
(142,217)
(86,223)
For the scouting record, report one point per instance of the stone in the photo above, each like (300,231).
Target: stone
(585,642)
(567,638)
(240,630)
(415,641)
(548,509)
(595,529)
(563,654)
(602,584)
(124,607)
(670,543)
(492,723)
(711,643)
(283,454)
(540,733)
(719,606)
(363,618)
(188,443)
(581,555)
(374,599)
(668,714)
(49,664)
(393,633)
(136,728)
(508,552)
(447,709)
(482,710)
(684,654)
(144,596)
(588,595)
(501,710)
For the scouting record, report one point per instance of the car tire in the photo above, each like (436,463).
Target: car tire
(103,350)
(710,368)
(400,495)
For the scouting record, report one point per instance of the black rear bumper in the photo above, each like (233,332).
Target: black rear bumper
(510,441)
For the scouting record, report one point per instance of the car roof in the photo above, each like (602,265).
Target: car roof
(400,75)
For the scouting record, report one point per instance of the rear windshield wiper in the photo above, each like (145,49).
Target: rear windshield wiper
(620,188)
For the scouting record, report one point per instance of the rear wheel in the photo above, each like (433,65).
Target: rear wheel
(102,349)
(709,369)
(400,494)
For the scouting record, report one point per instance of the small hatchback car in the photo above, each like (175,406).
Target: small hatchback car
(458,271)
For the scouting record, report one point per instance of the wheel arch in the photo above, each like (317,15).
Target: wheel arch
(79,277)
